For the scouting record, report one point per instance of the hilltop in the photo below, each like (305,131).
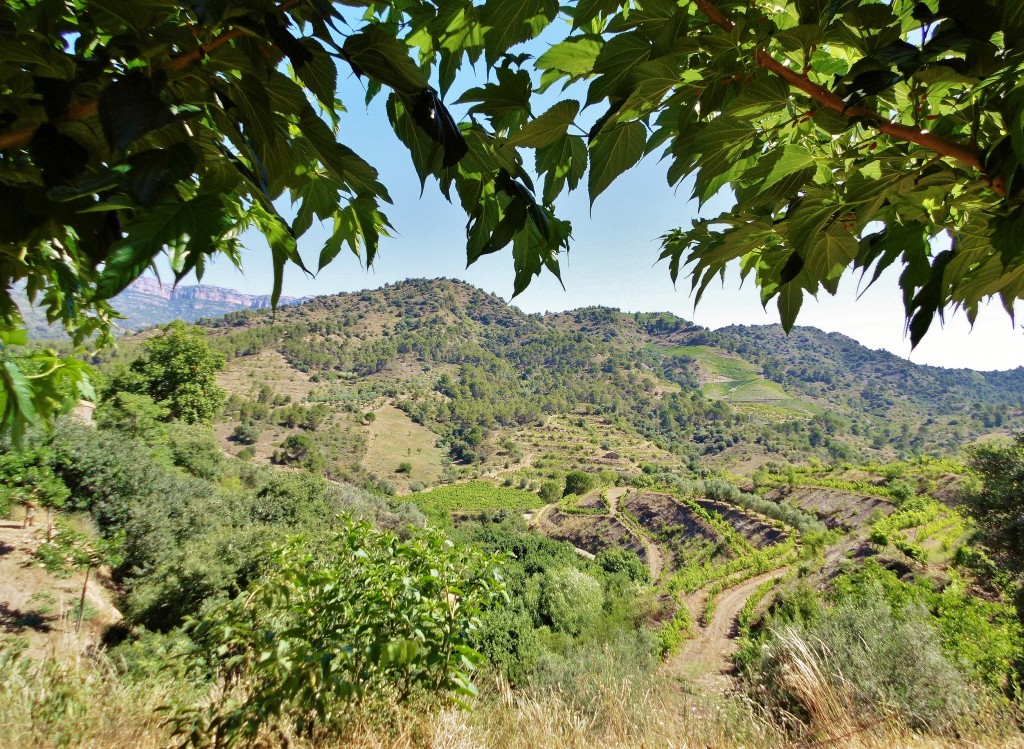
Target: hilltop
(471,372)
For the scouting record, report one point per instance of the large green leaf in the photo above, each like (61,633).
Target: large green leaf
(377,54)
(549,127)
(613,152)
(196,224)
(573,56)
(509,23)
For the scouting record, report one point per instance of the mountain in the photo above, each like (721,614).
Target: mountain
(458,374)
(148,302)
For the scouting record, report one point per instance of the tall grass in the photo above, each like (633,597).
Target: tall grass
(863,658)
(80,703)
(611,696)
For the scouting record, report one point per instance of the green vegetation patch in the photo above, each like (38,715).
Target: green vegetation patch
(474,496)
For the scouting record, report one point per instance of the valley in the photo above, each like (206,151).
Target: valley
(580,504)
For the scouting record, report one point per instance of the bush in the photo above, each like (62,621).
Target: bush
(194,448)
(616,559)
(246,434)
(405,468)
(387,626)
(550,491)
(578,483)
(570,600)
(508,640)
(863,652)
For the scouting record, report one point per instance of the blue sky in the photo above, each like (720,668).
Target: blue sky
(612,261)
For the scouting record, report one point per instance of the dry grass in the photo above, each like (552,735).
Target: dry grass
(79,704)
(393,439)
(84,705)
(246,374)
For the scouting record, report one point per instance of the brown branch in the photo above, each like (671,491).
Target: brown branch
(84,109)
(967,154)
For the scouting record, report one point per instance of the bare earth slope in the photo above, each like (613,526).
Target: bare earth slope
(37,609)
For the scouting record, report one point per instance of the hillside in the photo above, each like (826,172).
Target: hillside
(490,381)
(624,532)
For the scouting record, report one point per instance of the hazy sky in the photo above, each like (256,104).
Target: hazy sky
(612,261)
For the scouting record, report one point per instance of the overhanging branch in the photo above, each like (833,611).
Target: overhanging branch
(82,110)
(966,154)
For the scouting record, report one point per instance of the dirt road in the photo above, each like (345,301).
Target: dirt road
(655,559)
(704,660)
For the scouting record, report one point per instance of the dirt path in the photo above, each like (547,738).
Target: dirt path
(37,610)
(655,559)
(704,660)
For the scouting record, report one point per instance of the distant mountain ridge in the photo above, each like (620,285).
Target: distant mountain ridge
(148,287)
(148,302)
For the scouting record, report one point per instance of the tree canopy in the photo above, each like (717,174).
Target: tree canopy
(851,134)
(178,371)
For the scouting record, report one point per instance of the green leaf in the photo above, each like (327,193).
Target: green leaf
(613,152)
(283,248)
(506,101)
(573,56)
(376,53)
(790,299)
(130,108)
(563,162)
(793,159)
(195,224)
(319,74)
(617,65)
(509,23)
(812,215)
(830,254)
(549,127)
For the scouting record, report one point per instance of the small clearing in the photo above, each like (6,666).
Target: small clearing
(393,439)
(247,374)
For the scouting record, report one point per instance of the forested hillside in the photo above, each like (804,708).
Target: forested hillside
(476,371)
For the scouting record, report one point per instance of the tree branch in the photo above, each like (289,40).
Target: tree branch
(82,110)
(967,154)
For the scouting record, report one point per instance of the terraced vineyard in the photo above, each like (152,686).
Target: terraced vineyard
(732,379)
(473,496)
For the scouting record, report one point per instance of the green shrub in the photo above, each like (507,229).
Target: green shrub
(194,448)
(388,626)
(578,482)
(618,560)
(550,491)
(570,600)
(509,642)
(246,434)
(883,660)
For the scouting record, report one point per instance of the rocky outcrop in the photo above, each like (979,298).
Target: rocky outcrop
(148,286)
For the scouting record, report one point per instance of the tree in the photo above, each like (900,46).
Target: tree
(851,133)
(998,504)
(177,371)
(578,483)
